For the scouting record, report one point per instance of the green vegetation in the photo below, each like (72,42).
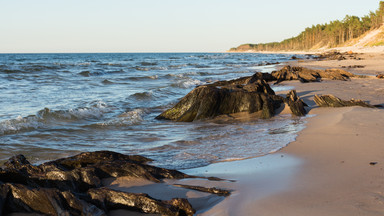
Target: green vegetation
(330,34)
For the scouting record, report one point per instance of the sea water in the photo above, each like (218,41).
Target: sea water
(56,105)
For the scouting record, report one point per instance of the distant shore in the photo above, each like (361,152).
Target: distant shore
(355,49)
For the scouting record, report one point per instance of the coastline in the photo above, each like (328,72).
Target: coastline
(334,172)
(335,166)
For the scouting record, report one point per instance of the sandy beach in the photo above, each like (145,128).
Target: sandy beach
(338,168)
(335,166)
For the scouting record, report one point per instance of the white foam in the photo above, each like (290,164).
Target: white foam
(46,116)
(127,118)
(188,83)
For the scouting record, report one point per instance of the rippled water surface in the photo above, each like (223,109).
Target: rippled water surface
(55,105)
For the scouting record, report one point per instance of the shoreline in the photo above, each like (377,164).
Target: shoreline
(336,151)
(334,166)
(327,169)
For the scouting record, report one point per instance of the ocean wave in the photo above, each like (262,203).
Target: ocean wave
(187,83)
(107,82)
(127,118)
(149,68)
(46,117)
(39,67)
(148,63)
(111,64)
(93,73)
(142,95)
(153,77)
(177,66)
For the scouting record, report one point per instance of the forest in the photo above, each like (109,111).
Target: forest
(332,34)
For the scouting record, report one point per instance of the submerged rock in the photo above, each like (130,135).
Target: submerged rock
(333,101)
(73,186)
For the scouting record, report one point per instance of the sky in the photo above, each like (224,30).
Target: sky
(160,25)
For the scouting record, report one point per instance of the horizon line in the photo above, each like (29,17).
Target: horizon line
(165,52)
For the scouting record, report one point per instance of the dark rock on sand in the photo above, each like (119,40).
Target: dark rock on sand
(212,190)
(333,101)
(335,55)
(72,186)
(225,97)
(47,201)
(296,104)
(110,199)
(380,76)
(309,75)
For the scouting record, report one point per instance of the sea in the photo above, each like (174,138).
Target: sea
(58,105)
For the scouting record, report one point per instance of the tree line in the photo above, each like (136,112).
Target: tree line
(331,34)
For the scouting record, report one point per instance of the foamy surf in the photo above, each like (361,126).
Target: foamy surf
(127,118)
(46,117)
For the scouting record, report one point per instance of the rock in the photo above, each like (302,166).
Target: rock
(296,73)
(380,76)
(64,186)
(210,101)
(333,101)
(110,199)
(83,171)
(47,201)
(309,75)
(336,74)
(247,94)
(213,190)
(296,104)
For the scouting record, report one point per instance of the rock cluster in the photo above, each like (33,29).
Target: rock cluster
(73,186)
(335,55)
(309,75)
(247,94)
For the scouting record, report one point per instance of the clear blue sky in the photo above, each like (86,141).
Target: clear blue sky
(160,25)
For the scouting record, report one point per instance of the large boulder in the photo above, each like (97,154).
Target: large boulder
(209,101)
